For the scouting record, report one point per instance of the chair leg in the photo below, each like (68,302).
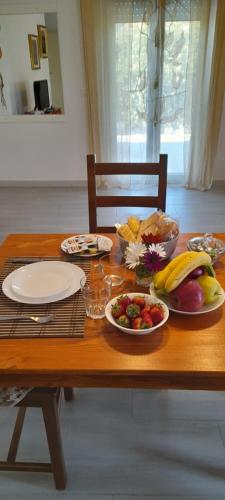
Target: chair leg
(68,393)
(51,419)
(16,435)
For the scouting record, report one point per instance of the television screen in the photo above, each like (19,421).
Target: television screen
(41,94)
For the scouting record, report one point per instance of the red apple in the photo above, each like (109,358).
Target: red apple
(187,297)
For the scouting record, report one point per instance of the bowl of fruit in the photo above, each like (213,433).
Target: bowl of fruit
(136,314)
(188,284)
(157,228)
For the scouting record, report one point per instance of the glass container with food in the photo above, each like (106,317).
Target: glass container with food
(207,243)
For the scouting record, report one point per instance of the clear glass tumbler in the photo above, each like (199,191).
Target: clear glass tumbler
(112,266)
(96,293)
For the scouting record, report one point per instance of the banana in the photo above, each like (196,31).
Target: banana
(186,266)
(161,277)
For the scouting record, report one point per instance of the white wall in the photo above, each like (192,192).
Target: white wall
(53,151)
(18,74)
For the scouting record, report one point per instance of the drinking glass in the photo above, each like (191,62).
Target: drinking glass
(112,266)
(96,293)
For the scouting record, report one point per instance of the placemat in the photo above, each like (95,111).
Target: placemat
(69,313)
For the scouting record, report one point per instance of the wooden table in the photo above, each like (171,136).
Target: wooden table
(188,352)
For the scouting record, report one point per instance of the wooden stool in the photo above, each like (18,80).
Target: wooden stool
(48,399)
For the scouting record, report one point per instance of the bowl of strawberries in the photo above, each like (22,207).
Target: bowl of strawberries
(137,314)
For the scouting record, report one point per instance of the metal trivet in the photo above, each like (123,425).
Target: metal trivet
(69,313)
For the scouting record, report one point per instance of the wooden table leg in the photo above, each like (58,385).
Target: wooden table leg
(16,435)
(68,393)
(51,419)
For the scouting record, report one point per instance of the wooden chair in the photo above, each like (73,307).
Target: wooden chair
(48,399)
(94,169)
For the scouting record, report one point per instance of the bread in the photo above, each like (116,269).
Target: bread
(134,224)
(167,227)
(158,223)
(126,232)
(148,225)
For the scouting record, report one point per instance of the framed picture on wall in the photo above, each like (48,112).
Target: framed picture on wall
(42,41)
(34,54)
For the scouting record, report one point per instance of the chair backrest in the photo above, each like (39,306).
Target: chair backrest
(94,169)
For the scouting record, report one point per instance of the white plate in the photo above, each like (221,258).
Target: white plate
(149,300)
(41,280)
(204,309)
(64,268)
(80,243)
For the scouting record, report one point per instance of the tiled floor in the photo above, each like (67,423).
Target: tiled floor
(121,444)
(63,210)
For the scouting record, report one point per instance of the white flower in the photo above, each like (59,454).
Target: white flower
(156,247)
(133,254)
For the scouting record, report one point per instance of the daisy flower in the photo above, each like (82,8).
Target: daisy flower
(134,253)
(157,248)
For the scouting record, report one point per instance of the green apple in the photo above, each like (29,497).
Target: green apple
(211,288)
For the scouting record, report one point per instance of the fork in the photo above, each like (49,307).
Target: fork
(37,319)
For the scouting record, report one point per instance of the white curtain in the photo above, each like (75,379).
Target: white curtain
(208,94)
(148,72)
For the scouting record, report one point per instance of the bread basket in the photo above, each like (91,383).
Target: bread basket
(156,223)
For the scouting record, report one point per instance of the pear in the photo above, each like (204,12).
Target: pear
(211,288)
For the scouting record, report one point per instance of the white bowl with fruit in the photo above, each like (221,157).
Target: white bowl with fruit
(136,314)
(188,284)
(159,227)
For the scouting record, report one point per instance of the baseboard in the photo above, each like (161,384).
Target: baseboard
(24,183)
(172,179)
(175,179)
(219,183)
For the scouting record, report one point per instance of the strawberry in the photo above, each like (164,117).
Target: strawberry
(136,323)
(139,300)
(145,310)
(133,311)
(117,310)
(146,322)
(157,314)
(124,321)
(124,300)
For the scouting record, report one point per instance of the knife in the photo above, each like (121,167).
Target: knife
(29,260)
(24,260)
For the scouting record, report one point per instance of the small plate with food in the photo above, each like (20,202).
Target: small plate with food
(86,245)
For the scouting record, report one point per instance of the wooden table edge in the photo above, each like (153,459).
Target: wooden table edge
(203,381)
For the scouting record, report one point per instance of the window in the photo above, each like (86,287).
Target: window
(152,76)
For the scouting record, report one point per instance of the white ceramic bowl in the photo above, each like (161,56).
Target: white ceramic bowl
(149,300)
(168,246)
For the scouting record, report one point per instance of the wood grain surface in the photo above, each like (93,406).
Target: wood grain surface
(187,352)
